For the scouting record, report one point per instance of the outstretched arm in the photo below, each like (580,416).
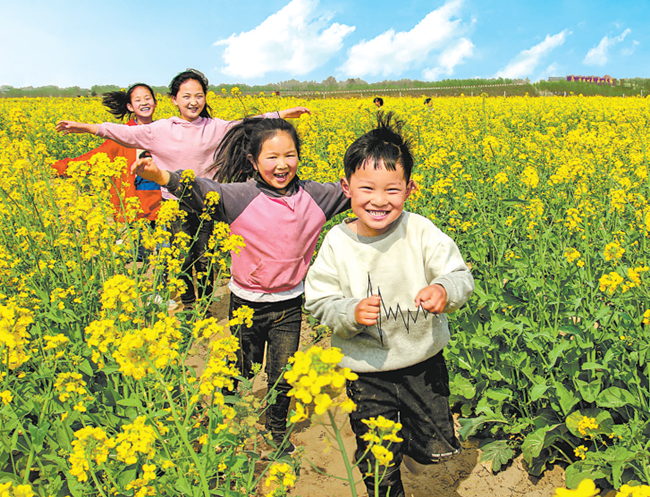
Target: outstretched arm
(66,127)
(293,112)
(145,168)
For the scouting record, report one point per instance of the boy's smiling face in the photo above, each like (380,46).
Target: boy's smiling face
(377,197)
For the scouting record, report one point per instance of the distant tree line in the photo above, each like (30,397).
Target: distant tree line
(446,87)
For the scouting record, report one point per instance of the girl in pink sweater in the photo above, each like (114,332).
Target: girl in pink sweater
(280,218)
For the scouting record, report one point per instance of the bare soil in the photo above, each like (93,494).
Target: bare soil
(322,471)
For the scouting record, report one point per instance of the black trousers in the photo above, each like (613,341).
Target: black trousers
(418,398)
(276,327)
(200,231)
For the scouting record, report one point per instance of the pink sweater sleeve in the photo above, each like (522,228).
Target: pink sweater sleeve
(129,136)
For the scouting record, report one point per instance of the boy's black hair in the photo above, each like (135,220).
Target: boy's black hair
(384,144)
(116,101)
(187,75)
(231,163)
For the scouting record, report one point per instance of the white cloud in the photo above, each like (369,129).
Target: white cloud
(449,59)
(295,40)
(598,55)
(553,69)
(525,63)
(630,50)
(392,53)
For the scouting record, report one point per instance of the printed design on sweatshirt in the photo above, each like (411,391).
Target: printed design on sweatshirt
(407,317)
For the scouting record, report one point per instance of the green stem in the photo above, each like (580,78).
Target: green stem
(346,461)
(183,434)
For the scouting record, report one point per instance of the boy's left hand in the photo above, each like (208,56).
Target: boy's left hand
(432,298)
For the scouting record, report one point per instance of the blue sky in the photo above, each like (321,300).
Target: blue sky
(82,43)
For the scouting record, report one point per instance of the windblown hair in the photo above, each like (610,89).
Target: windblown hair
(244,140)
(116,101)
(383,145)
(197,76)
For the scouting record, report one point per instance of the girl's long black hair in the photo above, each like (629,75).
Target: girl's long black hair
(196,75)
(116,101)
(245,139)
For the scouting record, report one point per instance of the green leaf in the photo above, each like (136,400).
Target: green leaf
(463,387)
(566,398)
(469,426)
(534,443)
(499,394)
(130,402)
(589,391)
(182,486)
(128,474)
(498,452)
(86,368)
(581,470)
(537,392)
(616,397)
(557,351)
(481,341)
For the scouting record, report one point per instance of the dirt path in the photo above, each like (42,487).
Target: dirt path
(463,476)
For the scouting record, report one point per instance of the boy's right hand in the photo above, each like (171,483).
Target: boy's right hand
(145,168)
(366,312)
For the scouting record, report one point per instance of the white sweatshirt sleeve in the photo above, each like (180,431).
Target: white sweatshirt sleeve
(324,297)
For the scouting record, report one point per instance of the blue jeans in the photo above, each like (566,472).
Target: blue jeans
(418,398)
(276,326)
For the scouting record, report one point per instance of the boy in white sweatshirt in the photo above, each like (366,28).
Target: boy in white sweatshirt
(383,282)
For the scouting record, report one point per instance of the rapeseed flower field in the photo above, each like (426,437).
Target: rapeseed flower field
(547,199)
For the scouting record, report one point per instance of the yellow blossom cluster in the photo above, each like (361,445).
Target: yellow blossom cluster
(93,447)
(120,294)
(141,352)
(136,439)
(91,444)
(587,488)
(317,381)
(9,489)
(282,476)
(72,384)
(14,335)
(586,425)
(380,431)
(220,368)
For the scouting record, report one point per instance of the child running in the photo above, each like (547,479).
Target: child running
(185,142)
(382,282)
(138,103)
(280,218)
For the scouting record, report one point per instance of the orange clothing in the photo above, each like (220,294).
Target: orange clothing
(147,192)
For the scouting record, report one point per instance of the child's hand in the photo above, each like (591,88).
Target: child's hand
(432,298)
(293,112)
(367,311)
(66,127)
(145,168)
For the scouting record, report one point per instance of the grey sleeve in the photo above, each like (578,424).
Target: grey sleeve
(329,197)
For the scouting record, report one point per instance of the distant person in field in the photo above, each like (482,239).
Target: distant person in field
(379,102)
(280,218)
(185,142)
(428,103)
